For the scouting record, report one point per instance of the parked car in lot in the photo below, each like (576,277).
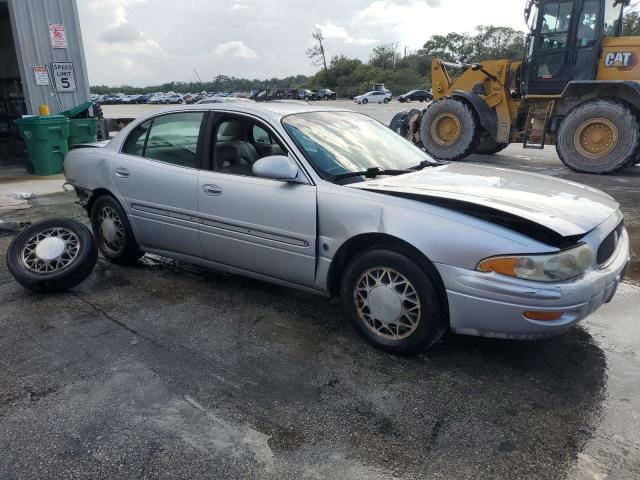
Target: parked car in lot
(175,99)
(326,94)
(306,94)
(415,96)
(375,96)
(335,203)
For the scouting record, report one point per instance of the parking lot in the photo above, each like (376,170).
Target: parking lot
(167,370)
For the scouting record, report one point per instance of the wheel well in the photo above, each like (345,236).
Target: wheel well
(95,194)
(578,93)
(368,241)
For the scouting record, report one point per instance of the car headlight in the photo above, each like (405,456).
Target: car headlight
(553,267)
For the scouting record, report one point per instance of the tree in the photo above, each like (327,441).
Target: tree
(498,42)
(316,53)
(489,42)
(385,56)
(631,24)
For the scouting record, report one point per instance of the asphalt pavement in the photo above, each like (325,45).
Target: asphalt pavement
(167,370)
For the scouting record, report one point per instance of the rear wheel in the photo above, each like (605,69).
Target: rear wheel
(488,146)
(600,136)
(398,124)
(449,130)
(413,121)
(392,302)
(112,231)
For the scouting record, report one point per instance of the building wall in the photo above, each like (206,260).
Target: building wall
(30,21)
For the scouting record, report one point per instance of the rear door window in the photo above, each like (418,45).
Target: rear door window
(135,142)
(173,138)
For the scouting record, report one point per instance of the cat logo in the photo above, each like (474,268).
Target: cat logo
(621,60)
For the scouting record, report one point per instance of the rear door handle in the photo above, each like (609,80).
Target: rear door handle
(122,172)
(212,190)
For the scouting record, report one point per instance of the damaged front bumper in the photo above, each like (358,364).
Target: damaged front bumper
(493,305)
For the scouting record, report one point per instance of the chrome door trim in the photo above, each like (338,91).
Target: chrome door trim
(220,225)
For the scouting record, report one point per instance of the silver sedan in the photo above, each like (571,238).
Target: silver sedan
(333,202)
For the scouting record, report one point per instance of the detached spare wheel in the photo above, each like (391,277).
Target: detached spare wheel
(52,255)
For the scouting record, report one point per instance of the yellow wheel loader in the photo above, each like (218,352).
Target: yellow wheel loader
(578,88)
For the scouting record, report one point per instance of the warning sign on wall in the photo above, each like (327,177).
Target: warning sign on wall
(63,76)
(41,74)
(58,35)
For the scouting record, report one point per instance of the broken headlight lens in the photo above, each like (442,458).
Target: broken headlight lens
(553,267)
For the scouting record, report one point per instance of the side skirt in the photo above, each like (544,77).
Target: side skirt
(236,271)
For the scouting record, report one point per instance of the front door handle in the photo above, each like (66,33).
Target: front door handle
(122,172)
(212,190)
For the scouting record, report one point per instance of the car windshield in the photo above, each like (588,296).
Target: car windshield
(341,142)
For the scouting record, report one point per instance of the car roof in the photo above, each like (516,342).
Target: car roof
(274,110)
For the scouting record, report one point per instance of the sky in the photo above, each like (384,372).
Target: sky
(149,42)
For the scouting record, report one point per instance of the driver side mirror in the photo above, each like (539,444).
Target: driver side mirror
(277,167)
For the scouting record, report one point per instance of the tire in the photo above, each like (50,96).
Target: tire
(488,146)
(31,262)
(419,329)
(385,101)
(617,120)
(113,232)
(414,122)
(97,110)
(365,101)
(398,124)
(462,128)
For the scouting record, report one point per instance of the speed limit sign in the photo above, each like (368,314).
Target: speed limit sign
(63,76)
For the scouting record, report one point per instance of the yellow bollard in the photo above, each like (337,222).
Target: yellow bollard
(43,110)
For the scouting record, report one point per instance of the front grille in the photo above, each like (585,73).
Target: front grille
(609,244)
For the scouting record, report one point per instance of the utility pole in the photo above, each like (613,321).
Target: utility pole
(197,76)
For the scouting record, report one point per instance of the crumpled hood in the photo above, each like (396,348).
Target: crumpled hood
(565,207)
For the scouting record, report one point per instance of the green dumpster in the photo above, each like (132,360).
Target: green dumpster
(46,139)
(82,127)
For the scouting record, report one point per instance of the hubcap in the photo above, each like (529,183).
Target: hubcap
(111,230)
(596,137)
(50,250)
(446,129)
(387,303)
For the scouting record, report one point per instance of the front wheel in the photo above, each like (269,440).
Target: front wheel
(113,232)
(600,136)
(392,302)
(449,130)
(365,101)
(385,101)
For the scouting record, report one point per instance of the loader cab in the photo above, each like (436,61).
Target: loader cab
(565,41)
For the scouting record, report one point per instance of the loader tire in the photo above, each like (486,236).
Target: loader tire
(488,146)
(413,121)
(599,137)
(449,130)
(398,124)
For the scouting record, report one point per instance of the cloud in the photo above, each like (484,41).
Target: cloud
(240,8)
(235,48)
(329,30)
